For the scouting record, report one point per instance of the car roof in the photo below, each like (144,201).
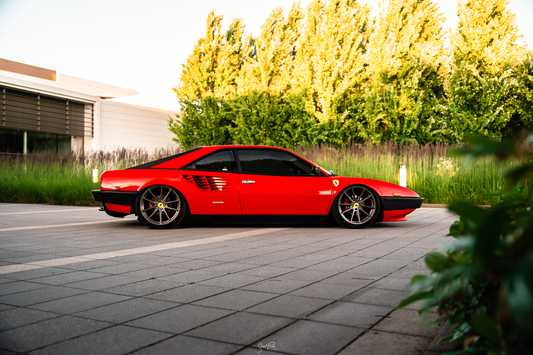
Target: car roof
(177,162)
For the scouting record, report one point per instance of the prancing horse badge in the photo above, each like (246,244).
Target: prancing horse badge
(336,183)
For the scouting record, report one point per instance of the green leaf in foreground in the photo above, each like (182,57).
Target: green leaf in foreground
(520,291)
(437,261)
(416,297)
(483,285)
(485,326)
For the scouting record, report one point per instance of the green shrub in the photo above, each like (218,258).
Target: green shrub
(203,123)
(483,284)
(266,119)
(408,106)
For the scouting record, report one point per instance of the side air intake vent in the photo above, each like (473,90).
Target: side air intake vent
(212,183)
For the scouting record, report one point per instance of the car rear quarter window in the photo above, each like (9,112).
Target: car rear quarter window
(272,162)
(164,162)
(220,161)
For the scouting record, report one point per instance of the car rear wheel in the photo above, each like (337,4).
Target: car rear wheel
(357,206)
(160,207)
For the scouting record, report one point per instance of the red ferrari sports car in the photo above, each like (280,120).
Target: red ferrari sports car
(248,183)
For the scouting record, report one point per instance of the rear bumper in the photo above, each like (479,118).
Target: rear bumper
(116,203)
(400,203)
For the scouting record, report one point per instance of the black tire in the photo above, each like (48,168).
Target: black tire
(357,206)
(160,207)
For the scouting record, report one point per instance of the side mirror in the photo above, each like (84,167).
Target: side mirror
(316,170)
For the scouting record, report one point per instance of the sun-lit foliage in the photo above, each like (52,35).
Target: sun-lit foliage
(215,62)
(331,56)
(405,101)
(270,58)
(486,85)
(399,76)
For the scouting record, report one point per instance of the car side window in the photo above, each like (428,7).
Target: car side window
(221,161)
(272,162)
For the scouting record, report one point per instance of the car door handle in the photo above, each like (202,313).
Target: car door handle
(248,182)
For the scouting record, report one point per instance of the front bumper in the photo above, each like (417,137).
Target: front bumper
(116,203)
(400,203)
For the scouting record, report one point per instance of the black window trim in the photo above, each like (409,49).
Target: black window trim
(212,153)
(273,149)
(238,162)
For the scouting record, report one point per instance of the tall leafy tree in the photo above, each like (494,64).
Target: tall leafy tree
(521,100)
(215,62)
(209,76)
(331,54)
(486,73)
(405,101)
(230,60)
(270,60)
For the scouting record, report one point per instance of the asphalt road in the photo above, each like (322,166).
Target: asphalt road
(76,281)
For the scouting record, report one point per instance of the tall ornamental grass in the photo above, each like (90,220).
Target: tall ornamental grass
(52,183)
(67,179)
(433,174)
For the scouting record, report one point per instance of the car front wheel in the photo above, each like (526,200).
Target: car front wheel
(357,206)
(160,207)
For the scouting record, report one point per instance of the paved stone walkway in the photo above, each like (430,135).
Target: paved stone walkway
(75,281)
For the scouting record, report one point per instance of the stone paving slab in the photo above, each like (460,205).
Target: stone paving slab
(188,293)
(191,346)
(241,328)
(383,343)
(377,296)
(47,332)
(180,319)
(290,306)
(351,314)
(407,321)
(313,338)
(126,311)
(79,303)
(115,340)
(236,300)
(18,317)
(142,288)
(295,289)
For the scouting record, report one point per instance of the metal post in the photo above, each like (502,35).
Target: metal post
(83,149)
(403,176)
(25,143)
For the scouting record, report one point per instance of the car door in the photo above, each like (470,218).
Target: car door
(275,182)
(215,180)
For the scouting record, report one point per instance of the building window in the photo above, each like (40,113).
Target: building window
(12,141)
(49,122)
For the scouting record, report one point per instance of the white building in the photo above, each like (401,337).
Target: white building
(40,107)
